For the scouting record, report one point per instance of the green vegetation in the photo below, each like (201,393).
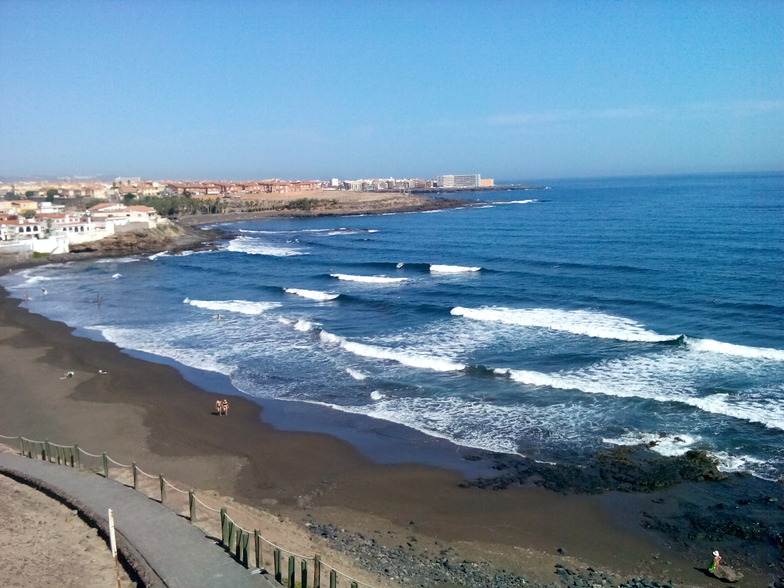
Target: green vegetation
(309,204)
(39,255)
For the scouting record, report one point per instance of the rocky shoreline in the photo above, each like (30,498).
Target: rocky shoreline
(693,504)
(445,568)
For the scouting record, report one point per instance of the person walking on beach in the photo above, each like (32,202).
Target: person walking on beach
(715,563)
(218,407)
(225,407)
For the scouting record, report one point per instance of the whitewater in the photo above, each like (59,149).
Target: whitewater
(552,324)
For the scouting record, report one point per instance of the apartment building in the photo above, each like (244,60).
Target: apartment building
(459,181)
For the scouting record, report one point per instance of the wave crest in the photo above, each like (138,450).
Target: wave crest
(240,306)
(578,322)
(369,279)
(312,294)
(451,269)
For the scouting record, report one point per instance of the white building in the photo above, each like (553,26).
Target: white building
(460,181)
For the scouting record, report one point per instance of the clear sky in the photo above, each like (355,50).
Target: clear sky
(221,89)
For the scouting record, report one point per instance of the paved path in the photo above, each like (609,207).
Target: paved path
(164,548)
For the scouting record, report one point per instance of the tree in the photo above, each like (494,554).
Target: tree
(31,194)
(128,198)
(50,194)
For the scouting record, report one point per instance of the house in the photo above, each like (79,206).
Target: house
(121,214)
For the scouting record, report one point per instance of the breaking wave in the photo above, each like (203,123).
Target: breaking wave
(240,306)
(312,294)
(369,279)
(452,269)
(253,246)
(578,322)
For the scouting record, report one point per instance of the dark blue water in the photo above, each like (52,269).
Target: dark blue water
(549,323)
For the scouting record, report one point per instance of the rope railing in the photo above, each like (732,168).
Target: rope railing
(122,465)
(234,538)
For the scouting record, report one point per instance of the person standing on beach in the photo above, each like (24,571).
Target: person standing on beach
(218,407)
(715,563)
(225,407)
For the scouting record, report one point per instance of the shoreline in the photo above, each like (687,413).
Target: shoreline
(149,412)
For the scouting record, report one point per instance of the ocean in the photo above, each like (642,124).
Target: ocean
(550,323)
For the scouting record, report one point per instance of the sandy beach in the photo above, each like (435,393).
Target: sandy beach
(149,413)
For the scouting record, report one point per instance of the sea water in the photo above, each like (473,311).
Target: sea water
(550,323)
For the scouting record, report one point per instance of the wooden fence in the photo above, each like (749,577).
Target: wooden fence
(247,547)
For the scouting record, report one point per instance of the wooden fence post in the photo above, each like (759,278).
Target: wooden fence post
(257,545)
(333,579)
(292,567)
(78,456)
(276,565)
(232,536)
(224,525)
(303,574)
(245,548)
(105,465)
(135,476)
(192,505)
(21,446)
(317,571)
(163,487)
(46,452)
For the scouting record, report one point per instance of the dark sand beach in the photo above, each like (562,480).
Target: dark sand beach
(149,413)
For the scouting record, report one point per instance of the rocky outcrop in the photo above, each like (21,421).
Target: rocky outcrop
(628,469)
(726,574)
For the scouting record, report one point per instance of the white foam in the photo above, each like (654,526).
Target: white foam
(117,275)
(578,322)
(666,378)
(738,350)
(740,463)
(118,260)
(32,280)
(430,362)
(304,326)
(514,201)
(465,423)
(253,246)
(240,306)
(158,343)
(663,444)
(451,269)
(356,374)
(376,395)
(312,294)
(369,279)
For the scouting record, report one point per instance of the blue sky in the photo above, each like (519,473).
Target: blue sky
(304,90)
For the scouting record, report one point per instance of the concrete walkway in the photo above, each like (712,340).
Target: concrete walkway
(163,548)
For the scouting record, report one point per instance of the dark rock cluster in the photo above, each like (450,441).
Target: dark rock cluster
(627,469)
(412,567)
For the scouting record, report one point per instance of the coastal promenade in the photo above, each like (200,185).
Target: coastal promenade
(162,547)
